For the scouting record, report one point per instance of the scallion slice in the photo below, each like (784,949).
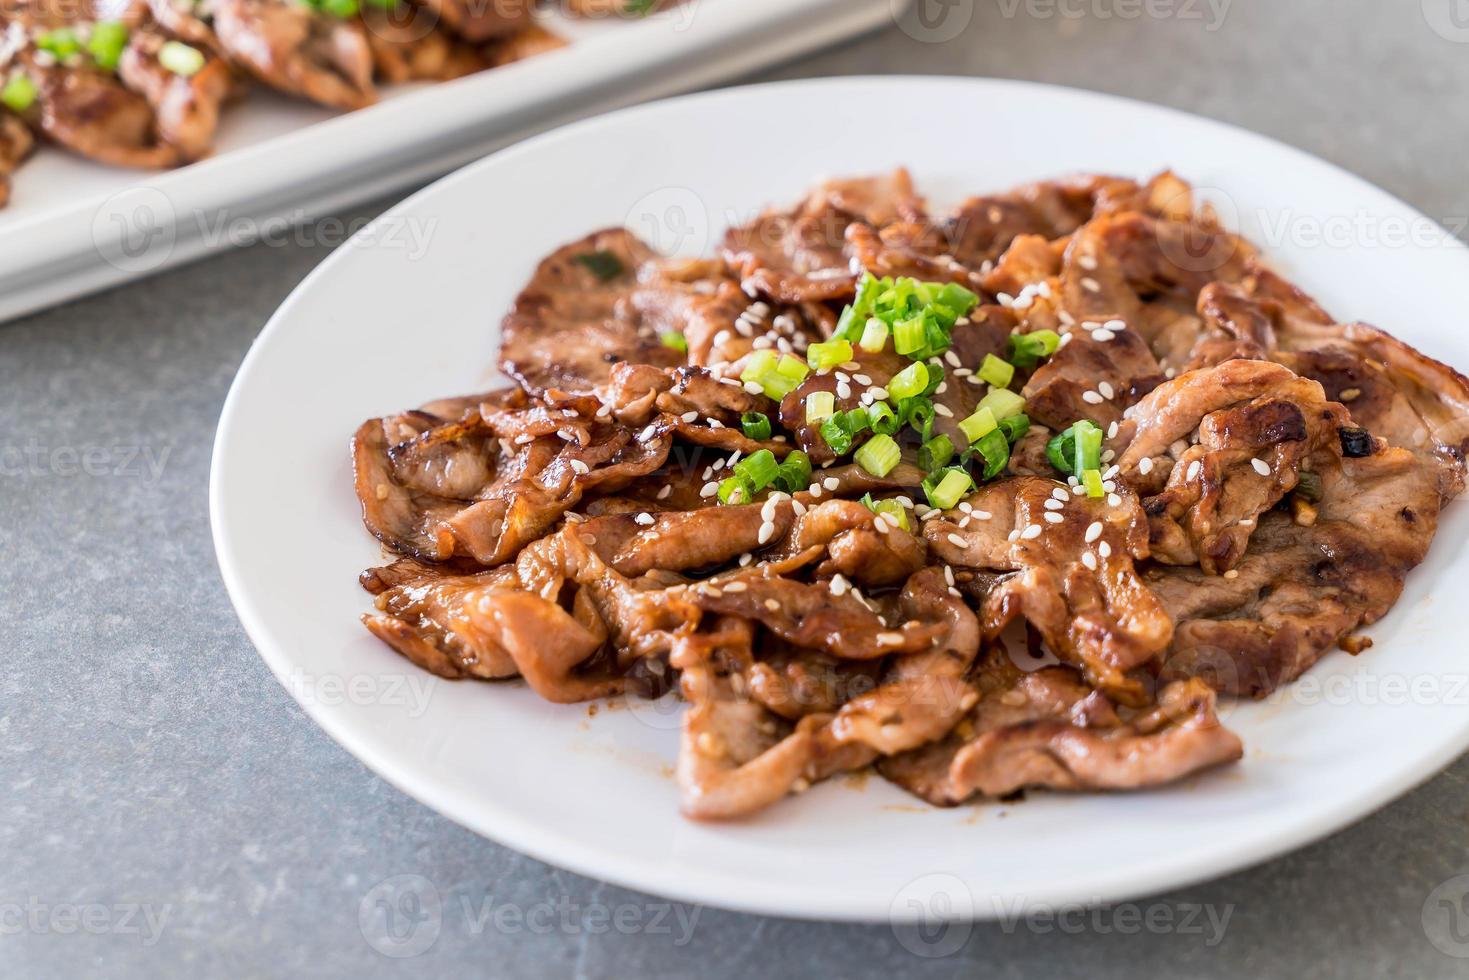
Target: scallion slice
(883,419)
(675,340)
(910,336)
(795,472)
(879,455)
(996,453)
(759,469)
(897,510)
(605,265)
(945,490)
(1092,480)
(935,453)
(824,357)
(1026,349)
(874,336)
(996,372)
(61,43)
(979,425)
(1015,427)
(181,59)
(1003,403)
(19,93)
(735,490)
(820,405)
(755,425)
(107,42)
(909,382)
(1088,446)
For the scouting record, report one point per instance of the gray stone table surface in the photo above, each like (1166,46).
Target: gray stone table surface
(167,810)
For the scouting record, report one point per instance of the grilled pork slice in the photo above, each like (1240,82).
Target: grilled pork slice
(1048,729)
(404,50)
(298,50)
(482,20)
(187,108)
(16,144)
(90,112)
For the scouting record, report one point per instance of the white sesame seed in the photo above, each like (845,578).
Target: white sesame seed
(838,585)
(709,489)
(767,531)
(890,639)
(1193,471)
(1090,284)
(1247,522)
(1113,500)
(754,388)
(944,410)
(524,438)
(1092,398)
(949,574)
(689,416)
(644,519)
(745,559)
(878,392)
(1104,549)
(955,593)
(1093,531)
(1145,465)
(1060,494)
(843,376)
(767,510)
(772,604)
(831,483)
(1102,336)
(1112,472)
(1108,486)
(715,424)
(957,541)
(1078,491)
(953,359)
(799,508)
(1112,430)
(815,491)
(862,379)
(736,587)
(1053,504)
(647,433)
(981,515)
(1087,262)
(844,390)
(1089,560)
(604,411)
(1261,467)
(974,379)
(1108,392)
(1031,533)
(1053,517)
(1015,535)
(1108,455)
(580,467)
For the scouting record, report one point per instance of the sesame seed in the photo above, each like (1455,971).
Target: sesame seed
(647,433)
(955,593)
(981,515)
(1232,573)
(524,438)
(767,531)
(1247,522)
(1350,394)
(1108,455)
(1090,284)
(1089,560)
(736,587)
(944,410)
(1092,398)
(974,379)
(949,574)
(843,376)
(838,585)
(1060,494)
(890,639)
(1015,535)
(1113,500)
(1093,531)
(1078,491)
(580,467)
(1102,336)
(1054,504)
(689,416)
(831,483)
(1112,430)
(1108,486)
(1031,533)
(1112,472)
(862,379)
(957,541)
(709,489)
(665,491)
(711,590)
(878,392)
(952,358)
(772,605)
(844,390)
(1193,470)
(1087,262)
(644,519)
(1261,467)
(1053,517)
(815,491)
(943,386)
(754,388)
(1108,392)
(1104,549)
(745,559)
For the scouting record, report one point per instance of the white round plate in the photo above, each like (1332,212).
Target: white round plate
(409,311)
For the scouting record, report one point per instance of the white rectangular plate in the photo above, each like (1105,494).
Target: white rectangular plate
(74,227)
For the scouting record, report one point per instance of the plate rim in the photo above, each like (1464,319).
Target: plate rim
(717,889)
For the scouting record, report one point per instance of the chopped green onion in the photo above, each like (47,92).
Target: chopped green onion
(183,60)
(851,322)
(341,8)
(874,336)
(910,336)
(1061,450)
(735,490)
(824,357)
(755,425)
(996,453)
(761,363)
(1088,446)
(1092,480)
(897,510)
(107,42)
(795,472)
(1308,486)
(995,371)
(793,368)
(1003,403)
(936,453)
(945,491)
(1026,349)
(638,8)
(883,420)
(605,265)
(879,455)
(383,4)
(919,413)
(19,93)
(820,405)
(842,429)
(675,340)
(777,375)
(978,425)
(61,42)
(909,382)
(759,469)
(1015,427)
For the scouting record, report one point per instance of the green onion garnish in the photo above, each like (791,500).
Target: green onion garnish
(910,336)
(19,93)
(795,472)
(1003,403)
(979,425)
(1308,486)
(181,59)
(897,510)
(918,413)
(341,8)
(824,357)
(1027,349)
(107,42)
(776,375)
(1092,480)
(755,425)
(883,419)
(878,455)
(793,368)
(935,453)
(735,491)
(1088,446)
(61,42)
(759,469)
(1015,427)
(995,371)
(675,340)
(909,382)
(874,336)
(946,487)
(995,451)
(1061,450)
(605,265)
(820,405)
(842,429)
